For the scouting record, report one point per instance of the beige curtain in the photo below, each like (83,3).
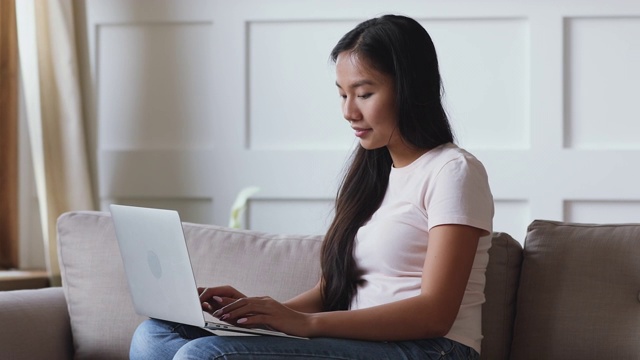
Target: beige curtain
(51,83)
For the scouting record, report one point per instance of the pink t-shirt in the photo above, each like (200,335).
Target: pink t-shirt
(446,185)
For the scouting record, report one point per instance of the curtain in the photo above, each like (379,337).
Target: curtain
(8,136)
(53,100)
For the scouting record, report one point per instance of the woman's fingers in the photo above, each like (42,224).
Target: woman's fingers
(245,306)
(221,291)
(259,321)
(213,298)
(264,312)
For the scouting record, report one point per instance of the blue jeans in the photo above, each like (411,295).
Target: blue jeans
(156,339)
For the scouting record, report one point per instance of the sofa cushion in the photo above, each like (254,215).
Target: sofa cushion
(579,292)
(100,309)
(503,273)
(34,325)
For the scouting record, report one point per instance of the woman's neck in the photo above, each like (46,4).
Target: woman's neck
(405,155)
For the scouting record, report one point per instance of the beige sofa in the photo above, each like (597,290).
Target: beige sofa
(573,293)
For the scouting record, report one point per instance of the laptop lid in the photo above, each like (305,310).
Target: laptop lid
(158,269)
(157,265)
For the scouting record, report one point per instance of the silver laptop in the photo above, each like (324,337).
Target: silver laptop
(158,269)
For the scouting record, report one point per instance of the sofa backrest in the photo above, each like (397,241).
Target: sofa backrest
(102,316)
(100,309)
(503,273)
(579,292)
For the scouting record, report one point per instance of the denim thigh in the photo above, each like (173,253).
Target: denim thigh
(155,339)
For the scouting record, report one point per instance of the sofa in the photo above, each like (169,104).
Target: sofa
(573,292)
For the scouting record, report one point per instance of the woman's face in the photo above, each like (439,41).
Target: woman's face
(368,102)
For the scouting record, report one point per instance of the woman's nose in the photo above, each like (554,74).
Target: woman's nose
(350,111)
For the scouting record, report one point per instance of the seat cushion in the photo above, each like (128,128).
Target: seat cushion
(503,272)
(100,309)
(579,292)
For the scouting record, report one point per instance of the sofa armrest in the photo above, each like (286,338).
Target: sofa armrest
(35,325)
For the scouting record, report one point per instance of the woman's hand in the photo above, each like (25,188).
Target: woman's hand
(266,312)
(214,298)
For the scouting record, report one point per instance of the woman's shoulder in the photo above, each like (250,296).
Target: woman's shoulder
(449,153)
(450,160)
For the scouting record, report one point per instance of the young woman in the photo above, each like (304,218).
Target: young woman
(403,262)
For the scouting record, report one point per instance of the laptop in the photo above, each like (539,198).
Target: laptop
(159,273)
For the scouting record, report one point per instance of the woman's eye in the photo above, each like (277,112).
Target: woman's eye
(365,96)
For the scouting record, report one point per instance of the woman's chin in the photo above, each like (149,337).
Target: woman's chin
(369,146)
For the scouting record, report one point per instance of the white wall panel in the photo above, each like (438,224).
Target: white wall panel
(293,102)
(194,210)
(149,103)
(484,65)
(161,173)
(512,217)
(603,82)
(196,100)
(290,216)
(602,211)
(154,85)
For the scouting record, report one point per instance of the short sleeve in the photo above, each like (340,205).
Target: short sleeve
(460,194)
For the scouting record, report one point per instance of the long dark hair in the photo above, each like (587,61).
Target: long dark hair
(398,46)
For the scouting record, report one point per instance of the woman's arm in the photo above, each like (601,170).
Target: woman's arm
(446,272)
(309,301)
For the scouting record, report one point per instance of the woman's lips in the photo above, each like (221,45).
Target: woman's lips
(361,132)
